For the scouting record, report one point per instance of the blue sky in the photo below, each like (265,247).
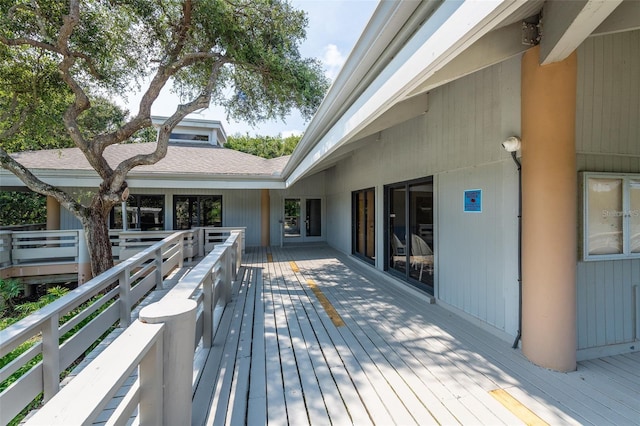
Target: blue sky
(334,27)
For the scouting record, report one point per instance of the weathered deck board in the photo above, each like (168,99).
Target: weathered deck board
(396,359)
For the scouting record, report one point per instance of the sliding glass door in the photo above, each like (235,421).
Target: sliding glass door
(197,210)
(409,238)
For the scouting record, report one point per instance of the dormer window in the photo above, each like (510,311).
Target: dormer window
(188,137)
(195,131)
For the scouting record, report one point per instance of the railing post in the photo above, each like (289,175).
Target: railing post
(158,261)
(181,251)
(208,305)
(201,237)
(240,250)
(50,357)
(228,275)
(179,317)
(84,262)
(124,285)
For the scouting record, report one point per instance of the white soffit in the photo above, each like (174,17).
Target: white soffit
(451,29)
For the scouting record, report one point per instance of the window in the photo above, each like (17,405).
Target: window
(197,210)
(611,216)
(189,137)
(144,213)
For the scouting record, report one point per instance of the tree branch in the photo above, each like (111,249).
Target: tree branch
(160,79)
(202,101)
(33,183)
(15,127)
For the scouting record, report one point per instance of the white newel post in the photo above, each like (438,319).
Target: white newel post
(179,318)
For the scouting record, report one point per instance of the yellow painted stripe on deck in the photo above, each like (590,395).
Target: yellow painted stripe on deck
(294,267)
(516,407)
(328,307)
(269,258)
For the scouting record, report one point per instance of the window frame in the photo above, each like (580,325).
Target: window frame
(627,212)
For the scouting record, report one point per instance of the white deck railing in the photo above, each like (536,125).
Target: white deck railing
(22,252)
(207,287)
(62,331)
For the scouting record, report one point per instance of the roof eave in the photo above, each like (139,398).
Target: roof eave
(447,32)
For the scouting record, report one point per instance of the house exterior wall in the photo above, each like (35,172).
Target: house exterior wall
(608,140)
(457,141)
(239,208)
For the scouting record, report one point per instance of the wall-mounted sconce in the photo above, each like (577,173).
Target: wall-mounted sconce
(512,144)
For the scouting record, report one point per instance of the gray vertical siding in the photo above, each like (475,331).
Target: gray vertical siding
(457,141)
(239,208)
(608,140)
(477,252)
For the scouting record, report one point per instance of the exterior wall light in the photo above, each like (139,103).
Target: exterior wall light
(512,144)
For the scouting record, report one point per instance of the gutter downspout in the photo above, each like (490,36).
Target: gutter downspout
(519,335)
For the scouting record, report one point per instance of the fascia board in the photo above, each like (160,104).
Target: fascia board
(87,179)
(449,31)
(387,20)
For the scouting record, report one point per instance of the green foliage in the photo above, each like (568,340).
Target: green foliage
(59,61)
(25,309)
(52,294)
(263,146)
(10,290)
(21,208)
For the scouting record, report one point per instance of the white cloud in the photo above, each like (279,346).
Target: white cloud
(286,133)
(333,60)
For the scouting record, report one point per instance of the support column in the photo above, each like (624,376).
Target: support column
(84,261)
(265,211)
(53,214)
(549,211)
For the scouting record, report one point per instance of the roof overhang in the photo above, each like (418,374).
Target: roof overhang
(448,40)
(449,29)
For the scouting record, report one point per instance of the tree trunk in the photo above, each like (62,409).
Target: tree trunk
(96,230)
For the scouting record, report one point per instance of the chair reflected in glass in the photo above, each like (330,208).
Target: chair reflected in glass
(421,255)
(399,254)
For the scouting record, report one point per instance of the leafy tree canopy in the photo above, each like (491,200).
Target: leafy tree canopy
(63,56)
(263,146)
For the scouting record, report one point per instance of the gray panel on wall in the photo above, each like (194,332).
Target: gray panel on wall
(608,95)
(477,252)
(605,302)
(608,140)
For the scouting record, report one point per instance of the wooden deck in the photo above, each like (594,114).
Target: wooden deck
(316,338)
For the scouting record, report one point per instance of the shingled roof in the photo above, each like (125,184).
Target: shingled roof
(180,159)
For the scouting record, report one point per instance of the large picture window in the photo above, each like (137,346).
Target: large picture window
(144,213)
(197,210)
(611,216)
